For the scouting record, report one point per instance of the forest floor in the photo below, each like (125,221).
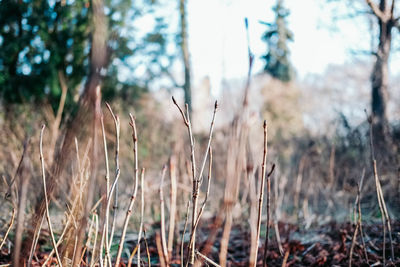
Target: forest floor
(327,245)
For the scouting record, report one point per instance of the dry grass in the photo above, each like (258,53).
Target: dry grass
(237,174)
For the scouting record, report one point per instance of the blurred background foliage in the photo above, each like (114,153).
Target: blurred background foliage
(39,39)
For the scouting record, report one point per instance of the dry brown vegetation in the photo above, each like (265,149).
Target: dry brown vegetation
(164,195)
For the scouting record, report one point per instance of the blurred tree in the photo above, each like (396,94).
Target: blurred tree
(40,39)
(185,52)
(277,37)
(45,45)
(37,40)
(383,13)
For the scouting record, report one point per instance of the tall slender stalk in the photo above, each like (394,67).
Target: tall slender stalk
(261,194)
(147,248)
(107,178)
(183,233)
(160,252)
(141,214)
(132,123)
(268,215)
(53,240)
(173,192)
(163,238)
(206,197)
(197,179)
(92,261)
(117,171)
(381,200)
(107,259)
(357,206)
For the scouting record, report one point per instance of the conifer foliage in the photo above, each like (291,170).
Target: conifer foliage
(277,36)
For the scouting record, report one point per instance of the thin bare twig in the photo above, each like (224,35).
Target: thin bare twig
(196,179)
(66,227)
(147,248)
(134,251)
(107,178)
(133,197)
(253,212)
(261,194)
(206,197)
(184,231)
(141,214)
(163,239)
(381,200)
(117,171)
(107,257)
(285,258)
(173,191)
(87,244)
(358,223)
(35,241)
(268,214)
(186,120)
(21,199)
(53,240)
(210,261)
(92,261)
(161,255)
(18,171)
(8,229)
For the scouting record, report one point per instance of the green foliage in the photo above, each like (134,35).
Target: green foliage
(277,37)
(39,39)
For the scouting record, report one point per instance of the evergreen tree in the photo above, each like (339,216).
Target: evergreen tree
(277,37)
(40,39)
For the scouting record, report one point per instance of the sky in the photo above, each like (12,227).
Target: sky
(218,45)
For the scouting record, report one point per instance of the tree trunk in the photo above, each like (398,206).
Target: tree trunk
(92,97)
(185,54)
(83,126)
(380,80)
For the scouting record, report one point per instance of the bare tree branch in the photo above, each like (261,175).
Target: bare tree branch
(377,12)
(392,9)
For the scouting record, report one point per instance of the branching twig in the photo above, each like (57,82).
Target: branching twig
(133,197)
(378,13)
(381,200)
(206,197)
(358,225)
(196,179)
